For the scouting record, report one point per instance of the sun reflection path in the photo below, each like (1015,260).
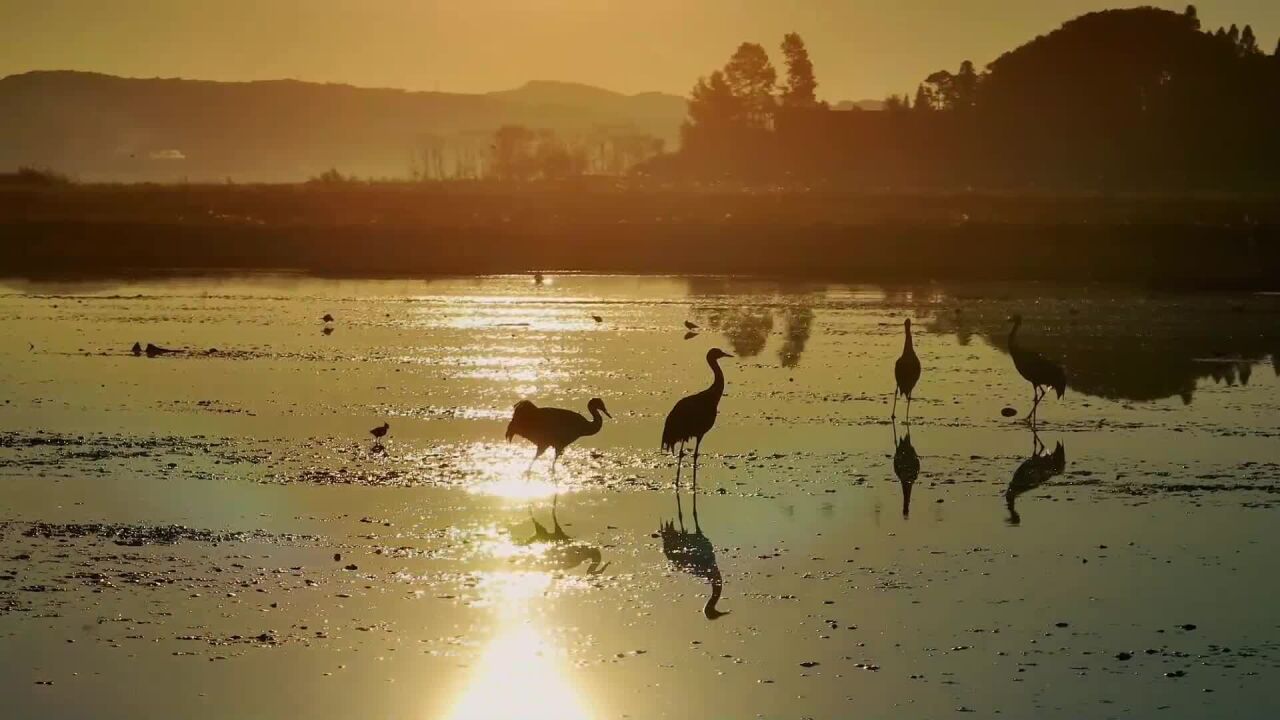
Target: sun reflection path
(505,477)
(522,672)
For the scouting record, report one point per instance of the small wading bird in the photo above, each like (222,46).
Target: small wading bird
(136,350)
(906,372)
(554,427)
(693,416)
(327,318)
(1035,369)
(690,325)
(380,432)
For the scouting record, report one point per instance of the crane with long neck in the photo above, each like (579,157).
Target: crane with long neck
(906,371)
(693,417)
(1041,372)
(554,427)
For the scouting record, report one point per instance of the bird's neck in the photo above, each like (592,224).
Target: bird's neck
(597,421)
(717,384)
(1013,335)
(907,348)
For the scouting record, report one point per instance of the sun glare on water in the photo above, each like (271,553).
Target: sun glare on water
(522,672)
(507,478)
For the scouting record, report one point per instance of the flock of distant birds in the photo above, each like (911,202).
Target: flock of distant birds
(693,416)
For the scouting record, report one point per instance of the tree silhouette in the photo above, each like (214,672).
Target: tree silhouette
(1249,43)
(1133,99)
(924,101)
(752,79)
(801,84)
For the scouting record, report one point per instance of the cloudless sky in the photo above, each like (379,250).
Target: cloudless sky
(861,48)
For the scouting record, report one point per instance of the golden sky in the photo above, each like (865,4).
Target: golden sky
(861,48)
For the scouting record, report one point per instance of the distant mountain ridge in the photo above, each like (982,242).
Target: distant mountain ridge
(103,127)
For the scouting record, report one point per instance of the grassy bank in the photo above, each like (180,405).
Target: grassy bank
(414,229)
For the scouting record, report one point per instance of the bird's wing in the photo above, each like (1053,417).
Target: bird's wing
(563,425)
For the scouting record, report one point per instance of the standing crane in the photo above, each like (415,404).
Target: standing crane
(554,427)
(693,416)
(906,372)
(1041,372)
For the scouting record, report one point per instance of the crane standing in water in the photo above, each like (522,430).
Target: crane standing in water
(1041,372)
(554,427)
(693,416)
(906,372)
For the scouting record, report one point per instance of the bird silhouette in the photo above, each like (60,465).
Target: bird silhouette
(327,331)
(692,552)
(597,318)
(1033,472)
(1035,369)
(327,318)
(906,465)
(693,416)
(155,350)
(690,335)
(380,432)
(906,372)
(136,349)
(690,325)
(554,427)
(560,551)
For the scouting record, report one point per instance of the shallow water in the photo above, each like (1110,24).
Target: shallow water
(1125,575)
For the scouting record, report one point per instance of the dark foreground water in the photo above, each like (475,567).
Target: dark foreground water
(211,533)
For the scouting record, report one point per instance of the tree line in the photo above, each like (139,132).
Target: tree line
(1134,99)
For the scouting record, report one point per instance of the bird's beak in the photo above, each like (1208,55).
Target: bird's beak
(605,410)
(728,355)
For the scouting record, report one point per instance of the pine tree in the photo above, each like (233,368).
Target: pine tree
(1249,43)
(799,90)
(751,77)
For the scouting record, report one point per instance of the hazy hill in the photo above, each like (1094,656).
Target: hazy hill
(95,126)
(859,105)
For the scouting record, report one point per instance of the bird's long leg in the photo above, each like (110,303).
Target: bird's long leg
(697,528)
(536,454)
(679,463)
(1035,395)
(1039,396)
(893,414)
(908,409)
(679,510)
(554,459)
(696,447)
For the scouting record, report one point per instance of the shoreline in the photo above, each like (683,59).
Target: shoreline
(1174,255)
